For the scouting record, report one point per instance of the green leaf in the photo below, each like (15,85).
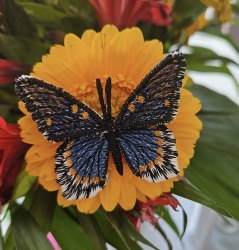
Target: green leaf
(184,189)
(9,243)
(8,98)
(5,109)
(68,233)
(214,167)
(68,25)
(114,223)
(43,207)
(111,236)
(1,239)
(18,22)
(127,227)
(64,5)
(215,31)
(26,232)
(182,18)
(167,218)
(185,222)
(22,185)
(161,231)
(92,230)
(200,54)
(201,67)
(42,12)
(85,12)
(22,49)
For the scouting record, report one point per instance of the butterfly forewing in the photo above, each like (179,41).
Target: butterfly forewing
(58,115)
(150,152)
(81,166)
(156,99)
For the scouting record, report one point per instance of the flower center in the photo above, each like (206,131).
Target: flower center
(121,89)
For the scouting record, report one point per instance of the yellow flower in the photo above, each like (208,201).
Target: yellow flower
(223,9)
(126,58)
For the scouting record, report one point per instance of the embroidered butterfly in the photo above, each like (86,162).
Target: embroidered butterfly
(138,133)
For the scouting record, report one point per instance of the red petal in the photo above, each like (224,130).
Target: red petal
(12,151)
(9,70)
(12,129)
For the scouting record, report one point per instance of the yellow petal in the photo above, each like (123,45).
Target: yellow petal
(147,188)
(62,201)
(120,54)
(145,60)
(88,37)
(41,152)
(127,197)
(78,55)
(109,196)
(63,72)
(167,185)
(135,40)
(34,168)
(51,185)
(89,205)
(58,51)
(140,196)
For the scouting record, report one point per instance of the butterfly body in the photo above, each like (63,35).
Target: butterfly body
(138,134)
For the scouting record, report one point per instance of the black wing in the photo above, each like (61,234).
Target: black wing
(155,101)
(58,115)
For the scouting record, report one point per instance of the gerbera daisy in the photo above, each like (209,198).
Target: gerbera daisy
(126,58)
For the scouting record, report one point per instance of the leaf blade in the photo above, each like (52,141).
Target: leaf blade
(92,229)
(27,233)
(184,189)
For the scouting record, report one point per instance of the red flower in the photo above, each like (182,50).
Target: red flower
(146,211)
(9,70)
(127,13)
(164,199)
(12,151)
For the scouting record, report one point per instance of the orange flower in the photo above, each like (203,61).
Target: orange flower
(126,58)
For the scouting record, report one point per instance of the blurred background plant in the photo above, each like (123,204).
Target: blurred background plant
(27,31)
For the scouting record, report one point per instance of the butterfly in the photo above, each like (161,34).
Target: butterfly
(139,132)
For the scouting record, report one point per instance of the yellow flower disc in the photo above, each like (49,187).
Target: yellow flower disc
(126,58)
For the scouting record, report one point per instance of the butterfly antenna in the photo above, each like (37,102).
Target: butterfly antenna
(108,97)
(101,98)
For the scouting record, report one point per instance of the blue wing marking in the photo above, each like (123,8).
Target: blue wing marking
(81,166)
(150,152)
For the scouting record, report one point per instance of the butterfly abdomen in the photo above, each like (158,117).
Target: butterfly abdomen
(115,150)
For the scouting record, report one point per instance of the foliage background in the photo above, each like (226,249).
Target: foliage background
(32,28)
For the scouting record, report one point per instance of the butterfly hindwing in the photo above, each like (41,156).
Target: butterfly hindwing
(81,166)
(150,152)
(58,115)
(156,99)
